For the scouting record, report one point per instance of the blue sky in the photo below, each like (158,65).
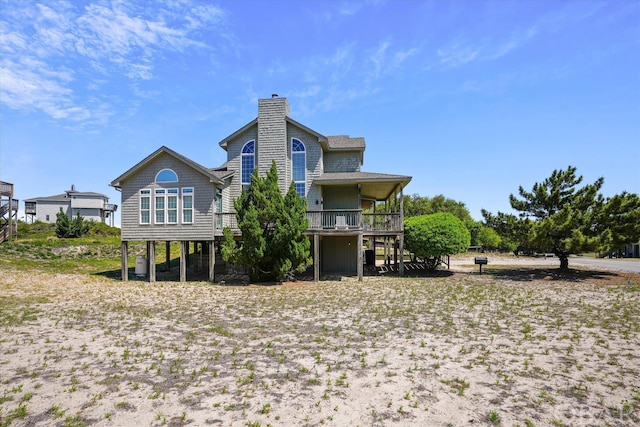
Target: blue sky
(471,98)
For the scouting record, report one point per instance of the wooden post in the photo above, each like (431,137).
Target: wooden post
(316,257)
(151,256)
(395,252)
(212,260)
(167,258)
(196,257)
(11,214)
(360,267)
(125,260)
(184,256)
(401,269)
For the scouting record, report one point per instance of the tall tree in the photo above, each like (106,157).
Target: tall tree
(416,205)
(618,221)
(514,232)
(273,242)
(568,218)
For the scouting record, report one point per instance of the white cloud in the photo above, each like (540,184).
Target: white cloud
(51,52)
(456,55)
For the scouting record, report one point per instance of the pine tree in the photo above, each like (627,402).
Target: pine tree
(63,225)
(273,242)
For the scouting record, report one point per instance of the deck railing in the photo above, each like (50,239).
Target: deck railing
(30,208)
(6,189)
(330,220)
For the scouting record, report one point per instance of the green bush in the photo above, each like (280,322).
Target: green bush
(36,229)
(433,236)
(102,229)
(69,228)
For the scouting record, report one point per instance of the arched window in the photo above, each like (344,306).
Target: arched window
(299,166)
(248,163)
(166,175)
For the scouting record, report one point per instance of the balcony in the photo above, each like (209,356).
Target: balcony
(331,221)
(30,208)
(6,189)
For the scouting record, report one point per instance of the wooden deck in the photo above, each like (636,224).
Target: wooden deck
(344,221)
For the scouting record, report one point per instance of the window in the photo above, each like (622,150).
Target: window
(166,175)
(172,206)
(187,205)
(219,207)
(299,160)
(160,205)
(248,163)
(145,206)
(47,218)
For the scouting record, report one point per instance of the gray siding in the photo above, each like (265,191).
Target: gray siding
(348,161)
(275,146)
(234,152)
(341,197)
(340,253)
(89,214)
(50,208)
(272,138)
(204,193)
(82,202)
(314,162)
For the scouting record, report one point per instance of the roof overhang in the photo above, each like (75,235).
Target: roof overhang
(243,129)
(374,186)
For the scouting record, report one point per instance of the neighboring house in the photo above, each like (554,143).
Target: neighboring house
(168,197)
(8,212)
(91,206)
(632,251)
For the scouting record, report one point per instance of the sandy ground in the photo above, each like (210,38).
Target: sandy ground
(515,346)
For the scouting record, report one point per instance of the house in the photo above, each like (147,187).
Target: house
(168,197)
(632,251)
(8,212)
(91,206)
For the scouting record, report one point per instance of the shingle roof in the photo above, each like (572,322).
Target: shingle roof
(65,197)
(222,172)
(377,186)
(345,142)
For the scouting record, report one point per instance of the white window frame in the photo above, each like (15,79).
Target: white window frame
(302,154)
(172,193)
(145,194)
(243,155)
(187,192)
(157,179)
(159,213)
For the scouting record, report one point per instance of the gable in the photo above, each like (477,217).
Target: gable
(175,159)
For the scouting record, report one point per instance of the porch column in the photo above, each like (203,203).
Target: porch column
(316,257)
(151,256)
(184,256)
(395,252)
(401,269)
(212,260)
(125,260)
(360,256)
(167,260)
(11,222)
(195,256)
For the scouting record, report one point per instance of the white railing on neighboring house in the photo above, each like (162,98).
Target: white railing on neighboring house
(337,220)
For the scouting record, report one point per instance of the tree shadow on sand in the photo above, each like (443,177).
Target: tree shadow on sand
(529,274)
(411,269)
